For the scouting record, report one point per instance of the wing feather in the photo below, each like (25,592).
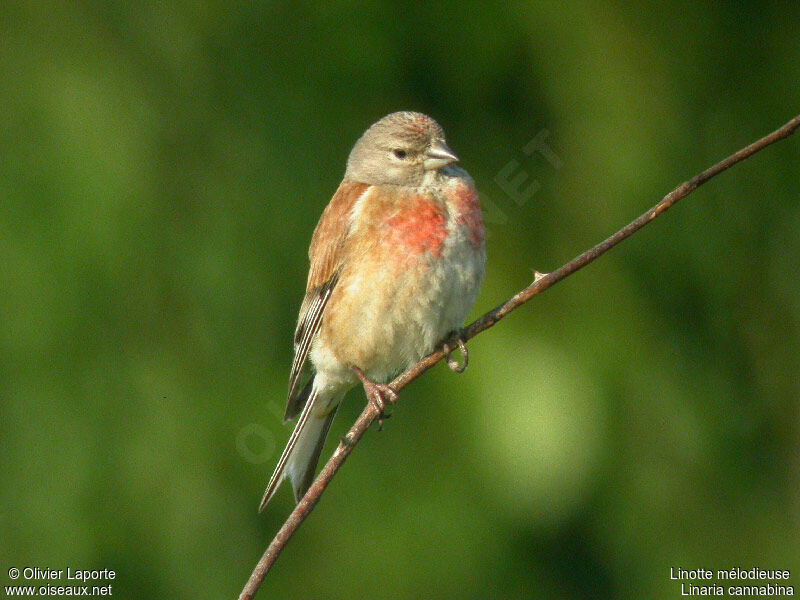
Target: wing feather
(326,260)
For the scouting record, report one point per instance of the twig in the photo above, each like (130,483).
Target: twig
(541,283)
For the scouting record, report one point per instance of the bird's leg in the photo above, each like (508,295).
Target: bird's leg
(458,341)
(377,394)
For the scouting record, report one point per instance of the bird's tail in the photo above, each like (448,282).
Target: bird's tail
(301,455)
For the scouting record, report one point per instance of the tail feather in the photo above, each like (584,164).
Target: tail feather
(296,404)
(302,465)
(299,458)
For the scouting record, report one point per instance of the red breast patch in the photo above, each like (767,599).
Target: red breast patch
(419,227)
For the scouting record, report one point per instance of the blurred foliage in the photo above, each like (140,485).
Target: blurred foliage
(162,168)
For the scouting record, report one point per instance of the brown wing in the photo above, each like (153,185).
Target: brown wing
(326,262)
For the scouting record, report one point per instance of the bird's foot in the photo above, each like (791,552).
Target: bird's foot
(456,341)
(378,394)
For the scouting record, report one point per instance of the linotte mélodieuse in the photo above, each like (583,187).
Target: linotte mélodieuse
(761,588)
(733,574)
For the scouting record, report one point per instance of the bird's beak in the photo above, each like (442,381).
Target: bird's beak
(438,156)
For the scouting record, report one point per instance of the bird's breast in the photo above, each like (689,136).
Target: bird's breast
(467,211)
(419,227)
(415,262)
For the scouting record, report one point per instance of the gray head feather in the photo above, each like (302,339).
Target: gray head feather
(400,149)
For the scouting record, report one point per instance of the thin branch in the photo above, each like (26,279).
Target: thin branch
(541,283)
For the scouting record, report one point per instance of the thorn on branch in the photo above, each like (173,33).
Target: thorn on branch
(537,275)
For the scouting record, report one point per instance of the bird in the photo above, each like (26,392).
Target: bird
(396,262)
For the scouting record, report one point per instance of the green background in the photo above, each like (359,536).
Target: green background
(162,167)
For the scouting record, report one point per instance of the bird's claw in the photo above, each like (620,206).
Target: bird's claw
(378,394)
(452,363)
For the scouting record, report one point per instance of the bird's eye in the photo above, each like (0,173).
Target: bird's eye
(401,154)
